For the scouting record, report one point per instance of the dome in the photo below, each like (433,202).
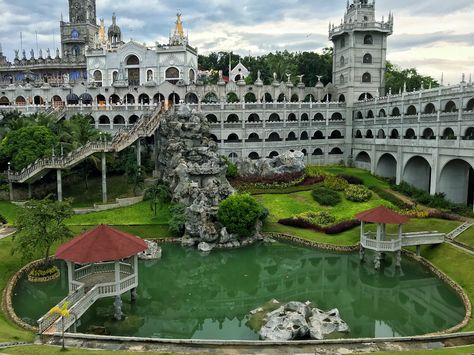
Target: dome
(114,29)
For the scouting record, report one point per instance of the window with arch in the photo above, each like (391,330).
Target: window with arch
(342,79)
(172,75)
(394,134)
(132,60)
(368,39)
(97,75)
(410,134)
(304,136)
(358,134)
(396,112)
(370,114)
(318,151)
(149,75)
(428,134)
(291,136)
(342,61)
(114,76)
(469,135)
(254,156)
(367,58)
(470,105)
(254,137)
(366,78)
(274,137)
(381,134)
(369,134)
(430,109)
(448,134)
(343,42)
(192,75)
(382,113)
(411,111)
(450,107)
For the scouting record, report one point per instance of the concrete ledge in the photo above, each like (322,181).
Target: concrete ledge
(120,202)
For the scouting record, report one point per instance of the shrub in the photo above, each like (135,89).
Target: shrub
(178,219)
(395,200)
(353,180)
(335,183)
(232,170)
(314,171)
(321,218)
(415,213)
(239,214)
(308,181)
(3,220)
(325,196)
(299,223)
(271,182)
(37,273)
(342,227)
(357,193)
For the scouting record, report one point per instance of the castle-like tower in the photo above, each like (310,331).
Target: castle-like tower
(80,31)
(360,49)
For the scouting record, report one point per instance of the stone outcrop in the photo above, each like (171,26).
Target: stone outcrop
(286,163)
(296,320)
(188,161)
(152,253)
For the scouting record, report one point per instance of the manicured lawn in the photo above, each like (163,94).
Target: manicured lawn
(117,186)
(462,350)
(47,350)
(457,265)
(368,179)
(153,231)
(139,214)
(9,211)
(467,237)
(286,206)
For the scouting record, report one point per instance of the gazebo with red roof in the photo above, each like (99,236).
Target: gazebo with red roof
(102,262)
(381,242)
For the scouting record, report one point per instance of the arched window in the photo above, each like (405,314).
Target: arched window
(450,107)
(304,117)
(367,59)
(254,156)
(448,134)
(318,135)
(358,134)
(233,138)
(382,113)
(394,134)
(114,76)
(366,78)
(210,98)
(253,137)
(149,75)
(172,75)
(336,116)
(336,135)
(430,109)
(428,134)
(343,42)
(341,79)
(381,134)
(370,114)
(318,151)
(273,137)
(395,112)
(192,75)
(469,135)
(304,136)
(342,61)
(470,105)
(411,111)
(233,118)
(211,118)
(133,60)
(368,39)
(410,134)
(336,151)
(359,115)
(291,136)
(342,98)
(254,118)
(318,117)
(97,75)
(273,154)
(292,117)
(274,117)
(250,97)
(267,98)
(369,134)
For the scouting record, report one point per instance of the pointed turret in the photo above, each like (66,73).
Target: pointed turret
(178,38)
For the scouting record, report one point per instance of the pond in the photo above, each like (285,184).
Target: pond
(190,295)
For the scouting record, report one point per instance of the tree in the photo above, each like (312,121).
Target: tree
(134,172)
(239,214)
(396,78)
(157,195)
(40,224)
(178,219)
(25,145)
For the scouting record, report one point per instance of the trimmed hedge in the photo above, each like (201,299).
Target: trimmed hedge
(357,193)
(321,218)
(325,196)
(331,230)
(353,180)
(393,199)
(335,183)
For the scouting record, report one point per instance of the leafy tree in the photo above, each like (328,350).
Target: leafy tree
(396,77)
(158,195)
(134,172)
(239,214)
(25,145)
(40,224)
(178,219)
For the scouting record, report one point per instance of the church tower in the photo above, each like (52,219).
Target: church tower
(80,31)
(360,49)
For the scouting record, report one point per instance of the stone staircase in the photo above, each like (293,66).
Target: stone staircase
(459,230)
(145,127)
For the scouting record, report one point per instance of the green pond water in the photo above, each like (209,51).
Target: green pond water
(190,295)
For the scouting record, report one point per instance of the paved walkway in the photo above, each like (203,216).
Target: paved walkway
(6,232)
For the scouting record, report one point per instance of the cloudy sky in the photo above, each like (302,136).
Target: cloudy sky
(433,35)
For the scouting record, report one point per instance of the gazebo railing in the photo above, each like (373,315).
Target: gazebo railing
(381,245)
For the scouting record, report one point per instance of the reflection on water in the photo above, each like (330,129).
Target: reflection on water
(188,295)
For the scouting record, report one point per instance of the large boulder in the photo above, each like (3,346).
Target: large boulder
(286,163)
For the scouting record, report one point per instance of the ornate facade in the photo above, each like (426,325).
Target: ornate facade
(424,137)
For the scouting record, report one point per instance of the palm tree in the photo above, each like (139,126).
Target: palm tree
(158,195)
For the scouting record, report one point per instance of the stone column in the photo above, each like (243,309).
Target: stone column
(60,184)
(155,153)
(139,154)
(104,178)
(10,188)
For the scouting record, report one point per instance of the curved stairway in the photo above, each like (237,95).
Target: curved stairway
(145,127)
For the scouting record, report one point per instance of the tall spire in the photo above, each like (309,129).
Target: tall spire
(179,31)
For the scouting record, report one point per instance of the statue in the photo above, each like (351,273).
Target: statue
(319,77)
(301,78)
(274,76)
(24,54)
(288,76)
(258,75)
(220,75)
(65,78)
(32,54)
(57,52)
(41,54)
(17,57)
(48,53)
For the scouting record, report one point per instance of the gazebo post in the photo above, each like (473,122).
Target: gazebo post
(133,291)
(398,258)
(70,266)
(118,300)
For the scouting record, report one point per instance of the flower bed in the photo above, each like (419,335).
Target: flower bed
(38,275)
(357,193)
(329,229)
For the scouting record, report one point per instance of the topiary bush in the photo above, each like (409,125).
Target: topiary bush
(325,196)
(357,193)
(321,218)
(239,213)
(178,219)
(335,183)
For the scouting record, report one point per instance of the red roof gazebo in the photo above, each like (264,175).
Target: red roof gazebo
(378,241)
(101,263)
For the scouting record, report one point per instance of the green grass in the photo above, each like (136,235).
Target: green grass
(9,211)
(467,237)
(368,179)
(138,214)
(457,265)
(48,350)
(286,206)
(117,186)
(151,231)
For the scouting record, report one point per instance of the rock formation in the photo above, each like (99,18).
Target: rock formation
(288,162)
(296,320)
(152,253)
(188,161)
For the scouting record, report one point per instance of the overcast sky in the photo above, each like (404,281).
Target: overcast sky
(433,35)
